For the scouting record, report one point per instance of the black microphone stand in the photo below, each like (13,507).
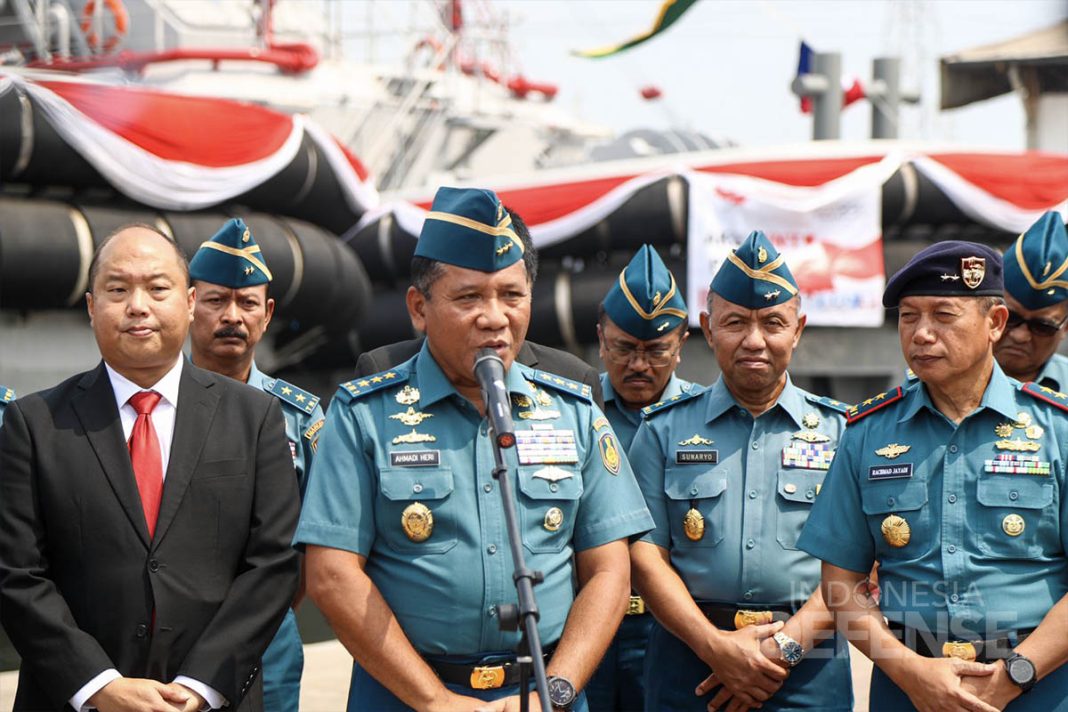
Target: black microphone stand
(523,617)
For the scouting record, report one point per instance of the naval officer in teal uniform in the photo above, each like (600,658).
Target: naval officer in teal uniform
(641,330)
(402,521)
(730,474)
(231,315)
(6,396)
(956,486)
(1036,293)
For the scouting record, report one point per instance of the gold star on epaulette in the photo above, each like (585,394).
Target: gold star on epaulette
(377,379)
(1047,389)
(834,402)
(364,383)
(673,398)
(390,375)
(657,404)
(881,396)
(869,401)
(558,381)
(301,398)
(352,389)
(572,386)
(286,390)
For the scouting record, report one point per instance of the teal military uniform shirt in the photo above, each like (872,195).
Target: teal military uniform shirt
(753,480)
(404,442)
(626,421)
(986,511)
(1054,374)
(303,416)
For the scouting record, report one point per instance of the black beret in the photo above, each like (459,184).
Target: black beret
(951,268)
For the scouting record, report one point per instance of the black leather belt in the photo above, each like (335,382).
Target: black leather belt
(729,617)
(931,645)
(484,676)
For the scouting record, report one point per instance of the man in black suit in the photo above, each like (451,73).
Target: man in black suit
(146,511)
(537,356)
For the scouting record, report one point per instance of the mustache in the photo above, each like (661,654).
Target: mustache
(231,332)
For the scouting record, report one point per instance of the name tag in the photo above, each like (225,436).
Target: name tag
(890,472)
(415,458)
(694,457)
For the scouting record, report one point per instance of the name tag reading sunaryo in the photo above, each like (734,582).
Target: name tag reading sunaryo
(544,445)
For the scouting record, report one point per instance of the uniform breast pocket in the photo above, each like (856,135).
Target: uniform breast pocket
(796,492)
(415,510)
(696,506)
(548,508)
(1017,519)
(899,518)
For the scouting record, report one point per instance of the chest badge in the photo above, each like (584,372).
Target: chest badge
(408,395)
(1013,524)
(414,437)
(896,531)
(552,473)
(522,401)
(539,414)
(693,525)
(411,417)
(609,452)
(1034,432)
(542,398)
(1023,419)
(811,420)
(892,451)
(1003,430)
(1017,445)
(695,440)
(554,519)
(417,521)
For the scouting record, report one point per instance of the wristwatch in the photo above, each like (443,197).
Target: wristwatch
(790,650)
(561,692)
(1021,671)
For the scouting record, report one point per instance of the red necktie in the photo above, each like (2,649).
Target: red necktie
(146,457)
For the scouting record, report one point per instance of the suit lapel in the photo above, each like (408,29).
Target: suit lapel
(99,416)
(526,356)
(196,410)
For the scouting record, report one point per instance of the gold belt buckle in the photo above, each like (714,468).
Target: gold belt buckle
(744,618)
(636,607)
(959,649)
(487,677)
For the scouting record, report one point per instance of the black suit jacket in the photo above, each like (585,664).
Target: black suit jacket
(80,581)
(537,356)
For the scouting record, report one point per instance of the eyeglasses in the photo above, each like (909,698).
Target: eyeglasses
(1038,327)
(657,356)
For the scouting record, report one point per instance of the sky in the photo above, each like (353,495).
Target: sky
(725,67)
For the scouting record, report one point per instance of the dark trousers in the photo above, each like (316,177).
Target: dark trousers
(616,686)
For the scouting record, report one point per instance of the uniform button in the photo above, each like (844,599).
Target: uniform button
(951,549)
(890,501)
(153,565)
(142,630)
(752,494)
(756,446)
(809,494)
(952,448)
(748,595)
(417,488)
(952,498)
(553,486)
(749,544)
(487,487)
(954,598)
(491,611)
(1014,495)
(693,490)
(491,549)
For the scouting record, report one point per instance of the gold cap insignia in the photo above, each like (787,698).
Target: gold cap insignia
(554,519)
(417,521)
(246,236)
(972,271)
(893,450)
(693,524)
(896,531)
(1013,524)
(762,255)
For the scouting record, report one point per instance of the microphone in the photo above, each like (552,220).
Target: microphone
(489,372)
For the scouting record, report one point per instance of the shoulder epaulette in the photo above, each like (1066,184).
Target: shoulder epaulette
(692,388)
(565,385)
(299,398)
(663,405)
(870,405)
(828,402)
(910,377)
(1045,393)
(359,387)
(6,394)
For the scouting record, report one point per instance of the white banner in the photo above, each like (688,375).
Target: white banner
(830,234)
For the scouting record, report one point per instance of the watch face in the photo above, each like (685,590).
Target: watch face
(561,691)
(1021,671)
(792,652)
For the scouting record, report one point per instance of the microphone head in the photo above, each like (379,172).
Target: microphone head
(487,353)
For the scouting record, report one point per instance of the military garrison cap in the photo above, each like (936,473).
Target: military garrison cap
(646,302)
(231,258)
(469,227)
(1036,264)
(755,275)
(951,268)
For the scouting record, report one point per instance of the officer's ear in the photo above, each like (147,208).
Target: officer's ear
(999,319)
(416,302)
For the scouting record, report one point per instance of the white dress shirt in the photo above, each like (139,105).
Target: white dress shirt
(163,417)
